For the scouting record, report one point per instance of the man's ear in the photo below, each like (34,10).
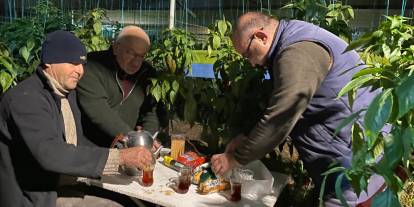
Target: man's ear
(262,36)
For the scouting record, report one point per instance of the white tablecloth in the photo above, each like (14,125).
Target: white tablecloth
(160,194)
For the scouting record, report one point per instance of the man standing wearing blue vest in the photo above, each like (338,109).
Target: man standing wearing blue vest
(308,67)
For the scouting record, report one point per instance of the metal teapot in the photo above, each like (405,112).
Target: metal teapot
(135,139)
(140,138)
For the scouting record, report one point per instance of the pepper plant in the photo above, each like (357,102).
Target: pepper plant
(241,91)
(91,31)
(389,55)
(172,56)
(334,17)
(22,40)
(226,105)
(7,74)
(312,11)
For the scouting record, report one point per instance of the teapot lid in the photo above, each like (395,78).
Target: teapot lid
(140,138)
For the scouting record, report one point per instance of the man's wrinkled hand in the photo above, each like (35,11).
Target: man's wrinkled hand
(135,157)
(222,163)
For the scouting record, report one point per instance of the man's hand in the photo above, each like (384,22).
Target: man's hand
(222,163)
(135,157)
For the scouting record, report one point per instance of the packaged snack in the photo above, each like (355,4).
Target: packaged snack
(171,163)
(196,177)
(210,183)
(198,171)
(191,159)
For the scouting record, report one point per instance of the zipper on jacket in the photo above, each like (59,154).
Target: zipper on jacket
(123,92)
(133,86)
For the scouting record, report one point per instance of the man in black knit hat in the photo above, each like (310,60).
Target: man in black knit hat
(42,147)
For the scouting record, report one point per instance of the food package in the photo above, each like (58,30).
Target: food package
(191,159)
(210,183)
(198,171)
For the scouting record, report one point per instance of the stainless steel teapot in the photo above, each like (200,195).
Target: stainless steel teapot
(140,138)
(135,139)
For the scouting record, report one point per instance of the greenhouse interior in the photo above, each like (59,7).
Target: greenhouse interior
(286,103)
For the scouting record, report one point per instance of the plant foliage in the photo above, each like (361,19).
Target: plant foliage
(334,17)
(90,31)
(389,54)
(225,105)
(21,39)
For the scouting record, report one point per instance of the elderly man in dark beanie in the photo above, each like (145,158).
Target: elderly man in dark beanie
(42,147)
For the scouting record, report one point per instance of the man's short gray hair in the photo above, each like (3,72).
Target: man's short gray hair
(253,20)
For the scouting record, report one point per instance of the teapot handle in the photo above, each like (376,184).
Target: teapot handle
(120,141)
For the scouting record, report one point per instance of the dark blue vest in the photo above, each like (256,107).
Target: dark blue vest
(313,134)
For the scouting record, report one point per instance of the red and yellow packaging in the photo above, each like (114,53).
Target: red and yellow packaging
(191,159)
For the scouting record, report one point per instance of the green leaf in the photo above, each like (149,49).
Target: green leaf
(6,80)
(368,71)
(355,83)
(222,27)
(351,12)
(153,81)
(358,142)
(156,92)
(386,50)
(216,42)
(325,176)
(97,27)
(167,43)
(172,96)
(395,55)
(209,50)
(393,152)
(405,94)
(30,45)
(6,62)
(386,199)
(383,169)
(377,115)
(333,170)
(395,22)
(175,85)
(358,43)
(166,85)
(408,144)
(338,190)
(24,53)
(348,120)
(95,40)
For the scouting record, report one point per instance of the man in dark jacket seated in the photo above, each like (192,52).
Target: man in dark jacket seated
(113,93)
(42,147)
